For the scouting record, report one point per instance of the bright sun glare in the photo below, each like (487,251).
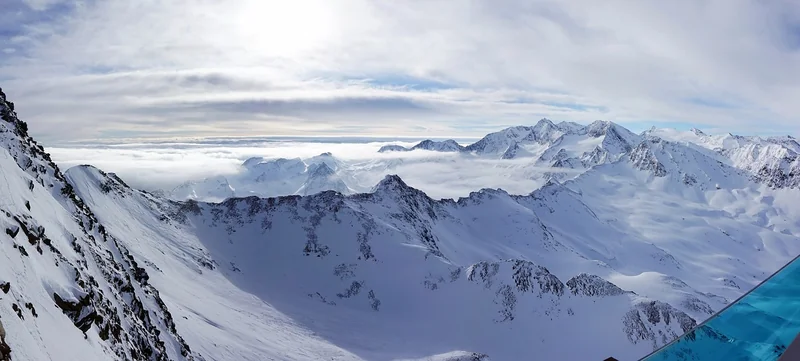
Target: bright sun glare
(285,28)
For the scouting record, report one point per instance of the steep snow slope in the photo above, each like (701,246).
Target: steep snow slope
(716,242)
(218,319)
(70,291)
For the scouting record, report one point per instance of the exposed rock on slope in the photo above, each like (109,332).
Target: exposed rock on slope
(5,351)
(592,285)
(71,267)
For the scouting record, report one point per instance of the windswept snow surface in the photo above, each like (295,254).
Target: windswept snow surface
(646,238)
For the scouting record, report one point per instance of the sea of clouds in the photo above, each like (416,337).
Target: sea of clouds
(165,165)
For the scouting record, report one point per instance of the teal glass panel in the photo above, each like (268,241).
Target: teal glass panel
(757,327)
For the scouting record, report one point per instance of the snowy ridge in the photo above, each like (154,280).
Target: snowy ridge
(71,290)
(437,146)
(545,138)
(774,161)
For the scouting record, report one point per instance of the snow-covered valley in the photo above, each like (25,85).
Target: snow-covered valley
(630,240)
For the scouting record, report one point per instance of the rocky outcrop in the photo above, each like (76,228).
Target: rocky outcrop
(643,158)
(644,323)
(5,350)
(593,286)
(787,176)
(459,356)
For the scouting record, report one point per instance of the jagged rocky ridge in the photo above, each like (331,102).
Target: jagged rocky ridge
(87,274)
(550,143)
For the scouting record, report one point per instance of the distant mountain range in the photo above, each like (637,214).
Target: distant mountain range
(569,146)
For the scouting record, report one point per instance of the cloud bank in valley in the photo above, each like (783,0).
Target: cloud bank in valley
(163,166)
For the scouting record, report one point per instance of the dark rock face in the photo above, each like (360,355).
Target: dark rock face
(512,279)
(780,177)
(512,151)
(474,356)
(642,158)
(12,231)
(593,286)
(5,350)
(636,323)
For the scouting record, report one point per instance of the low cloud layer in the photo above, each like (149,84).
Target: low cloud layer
(154,166)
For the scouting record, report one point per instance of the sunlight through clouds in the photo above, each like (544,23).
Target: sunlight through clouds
(119,68)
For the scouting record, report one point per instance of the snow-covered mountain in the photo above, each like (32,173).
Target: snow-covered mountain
(437,146)
(774,161)
(649,239)
(269,177)
(562,145)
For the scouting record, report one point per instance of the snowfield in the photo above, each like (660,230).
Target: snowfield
(630,241)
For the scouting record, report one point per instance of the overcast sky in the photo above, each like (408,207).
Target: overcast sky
(153,68)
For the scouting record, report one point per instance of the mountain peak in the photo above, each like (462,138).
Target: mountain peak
(321,169)
(8,114)
(600,128)
(389,183)
(250,162)
(448,145)
(544,122)
(697,132)
(392,148)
